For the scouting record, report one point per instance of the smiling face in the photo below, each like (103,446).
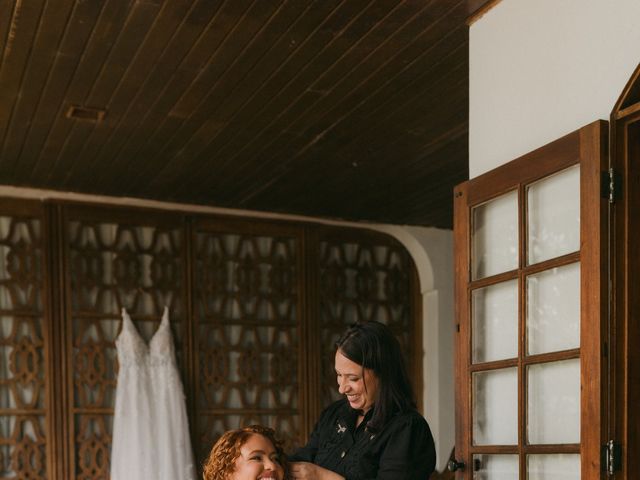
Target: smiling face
(258,460)
(360,385)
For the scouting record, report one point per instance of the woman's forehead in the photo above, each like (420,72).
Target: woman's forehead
(344,364)
(256,442)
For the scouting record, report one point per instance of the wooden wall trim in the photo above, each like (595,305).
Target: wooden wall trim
(478,8)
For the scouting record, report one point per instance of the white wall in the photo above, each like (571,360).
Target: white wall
(432,250)
(539,69)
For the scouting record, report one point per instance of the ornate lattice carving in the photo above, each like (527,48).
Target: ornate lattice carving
(364,279)
(22,350)
(247,324)
(249,351)
(115,266)
(23,447)
(112,266)
(93,440)
(211,427)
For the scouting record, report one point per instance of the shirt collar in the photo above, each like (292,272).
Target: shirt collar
(350,415)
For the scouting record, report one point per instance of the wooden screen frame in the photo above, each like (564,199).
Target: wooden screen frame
(243,226)
(586,146)
(64,213)
(49,329)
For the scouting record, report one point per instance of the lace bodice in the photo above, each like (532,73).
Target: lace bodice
(161,347)
(132,349)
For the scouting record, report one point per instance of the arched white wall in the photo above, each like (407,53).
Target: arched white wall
(541,69)
(432,252)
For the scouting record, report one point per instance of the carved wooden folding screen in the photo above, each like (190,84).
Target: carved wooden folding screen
(24,337)
(114,261)
(255,309)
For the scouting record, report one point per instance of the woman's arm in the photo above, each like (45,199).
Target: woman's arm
(410,452)
(309,451)
(309,471)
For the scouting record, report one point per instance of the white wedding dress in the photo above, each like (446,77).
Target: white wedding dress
(150,426)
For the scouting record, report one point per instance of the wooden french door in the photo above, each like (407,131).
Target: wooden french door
(625,381)
(531,310)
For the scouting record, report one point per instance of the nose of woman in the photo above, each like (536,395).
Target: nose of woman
(270,465)
(342,386)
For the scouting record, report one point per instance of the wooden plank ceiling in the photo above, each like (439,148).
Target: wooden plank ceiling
(343,109)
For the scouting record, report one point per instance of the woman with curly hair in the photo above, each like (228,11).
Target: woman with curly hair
(248,453)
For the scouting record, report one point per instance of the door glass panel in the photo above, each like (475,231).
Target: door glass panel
(495,322)
(553,310)
(495,236)
(553,208)
(495,467)
(553,467)
(495,407)
(553,402)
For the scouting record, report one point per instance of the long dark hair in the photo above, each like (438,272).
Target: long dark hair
(373,346)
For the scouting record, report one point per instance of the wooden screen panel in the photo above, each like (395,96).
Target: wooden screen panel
(114,261)
(364,277)
(247,303)
(24,354)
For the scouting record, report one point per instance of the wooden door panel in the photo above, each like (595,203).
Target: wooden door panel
(585,148)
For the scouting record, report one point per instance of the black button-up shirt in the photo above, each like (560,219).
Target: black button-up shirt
(402,450)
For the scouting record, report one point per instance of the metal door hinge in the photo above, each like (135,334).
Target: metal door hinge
(611,457)
(611,185)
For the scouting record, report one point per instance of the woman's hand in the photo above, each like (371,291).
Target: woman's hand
(309,471)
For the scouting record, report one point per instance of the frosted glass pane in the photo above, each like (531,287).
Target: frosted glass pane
(495,322)
(553,310)
(553,206)
(553,402)
(495,407)
(496,467)
(553,467)
(495,236)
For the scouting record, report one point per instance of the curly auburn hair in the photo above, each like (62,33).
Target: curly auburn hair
(222,459)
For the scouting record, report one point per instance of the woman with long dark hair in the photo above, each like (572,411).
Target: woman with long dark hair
(374,432)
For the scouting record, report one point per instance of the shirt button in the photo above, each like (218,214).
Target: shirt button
(343,454)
